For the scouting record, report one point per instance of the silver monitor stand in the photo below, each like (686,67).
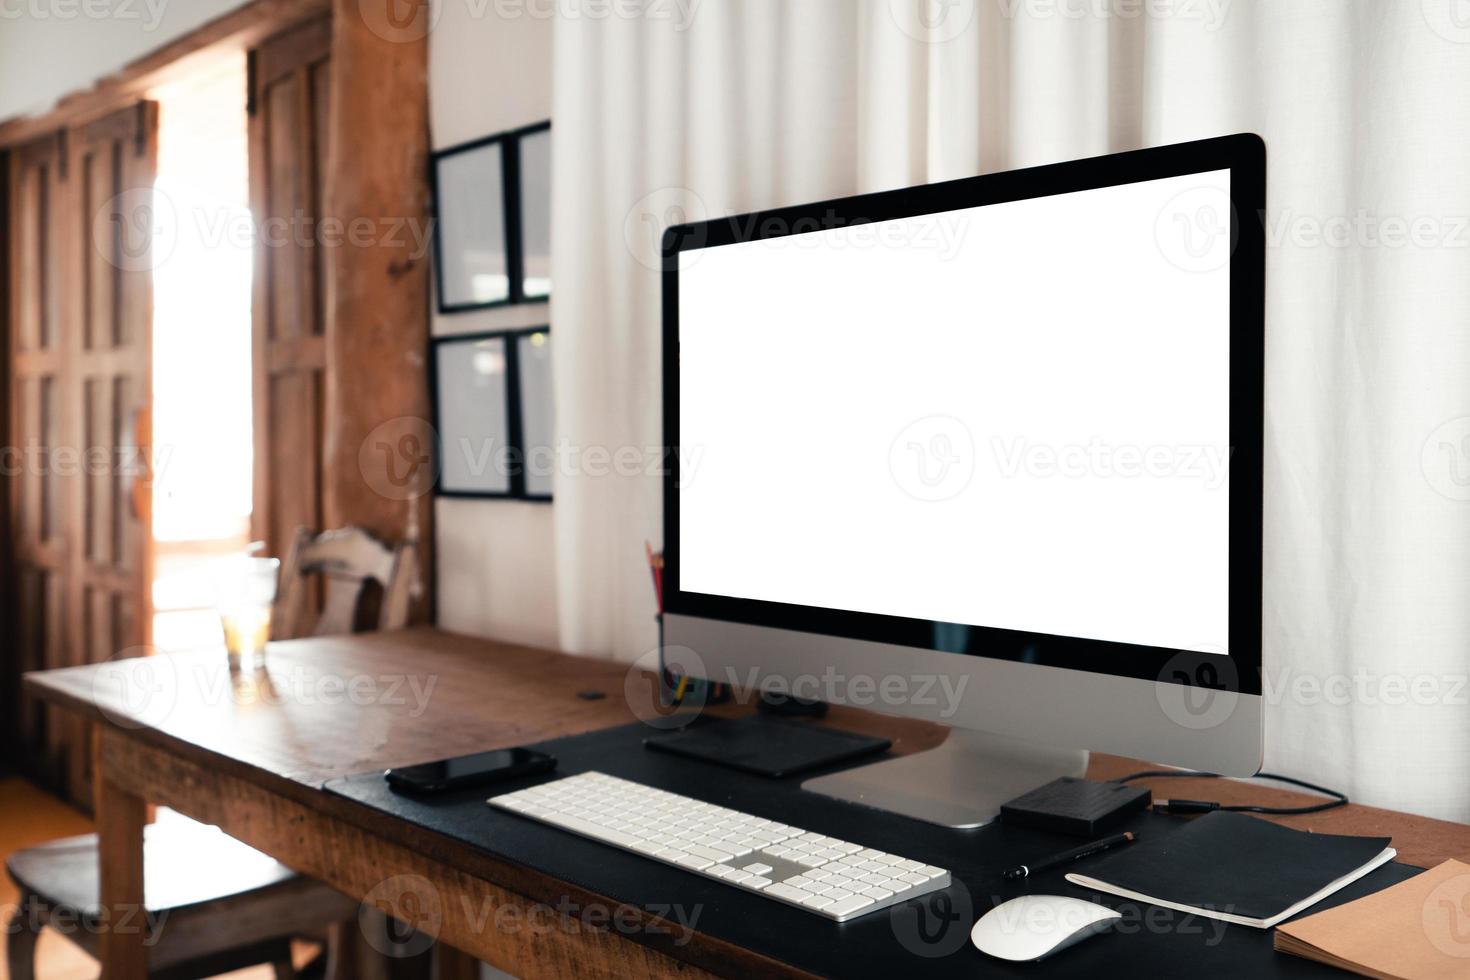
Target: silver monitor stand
(961,783)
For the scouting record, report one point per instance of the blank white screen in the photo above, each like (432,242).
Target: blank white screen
(866,418)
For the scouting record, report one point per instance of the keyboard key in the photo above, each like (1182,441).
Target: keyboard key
(757,868)
(782,890)
(816,901)
(755,882)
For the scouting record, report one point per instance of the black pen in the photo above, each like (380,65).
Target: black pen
(1067,857)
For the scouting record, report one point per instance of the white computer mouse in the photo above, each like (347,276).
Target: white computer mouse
(1033,926)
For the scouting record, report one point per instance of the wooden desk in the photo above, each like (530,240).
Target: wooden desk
(249,754)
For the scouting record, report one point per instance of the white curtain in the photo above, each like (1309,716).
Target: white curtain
(699,109)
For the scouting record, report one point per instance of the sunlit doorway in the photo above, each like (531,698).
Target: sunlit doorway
(201,347)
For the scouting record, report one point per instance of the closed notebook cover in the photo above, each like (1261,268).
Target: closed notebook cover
(1234,863)
(1417,930)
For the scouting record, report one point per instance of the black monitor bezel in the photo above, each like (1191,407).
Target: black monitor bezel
(1245,156)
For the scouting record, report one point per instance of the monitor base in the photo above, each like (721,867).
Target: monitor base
(960,783)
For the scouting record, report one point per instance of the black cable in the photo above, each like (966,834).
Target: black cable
(1205,806)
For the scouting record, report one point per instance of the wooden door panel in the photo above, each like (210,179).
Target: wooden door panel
(80,310)
(288,122)
(113,365)
(37,187)
(110,389)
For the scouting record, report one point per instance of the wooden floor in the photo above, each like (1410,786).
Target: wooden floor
(29,816)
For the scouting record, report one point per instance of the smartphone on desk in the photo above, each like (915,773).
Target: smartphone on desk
(481,768)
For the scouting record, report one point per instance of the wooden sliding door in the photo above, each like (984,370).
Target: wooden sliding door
(290,88)
(80,316)
(36,203)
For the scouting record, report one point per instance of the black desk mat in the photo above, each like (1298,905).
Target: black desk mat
(929,935)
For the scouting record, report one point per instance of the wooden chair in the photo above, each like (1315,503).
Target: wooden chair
(213,904)
(218,904)
(347,560)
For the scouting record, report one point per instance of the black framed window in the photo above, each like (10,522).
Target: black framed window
(493,414)
(492,220)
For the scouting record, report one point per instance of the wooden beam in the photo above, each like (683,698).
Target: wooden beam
(377,285)
(235,31)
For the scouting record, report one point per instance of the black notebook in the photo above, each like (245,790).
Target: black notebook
(1237,868)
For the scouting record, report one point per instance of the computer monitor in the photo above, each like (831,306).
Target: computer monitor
(985,452)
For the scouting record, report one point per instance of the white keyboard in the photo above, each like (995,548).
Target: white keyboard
(831,877)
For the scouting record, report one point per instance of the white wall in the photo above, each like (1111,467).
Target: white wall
(51,48)
(490,73)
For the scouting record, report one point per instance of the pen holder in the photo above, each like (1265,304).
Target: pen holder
(675,688)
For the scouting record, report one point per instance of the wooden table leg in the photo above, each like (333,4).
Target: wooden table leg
(451,964)
(120,819)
